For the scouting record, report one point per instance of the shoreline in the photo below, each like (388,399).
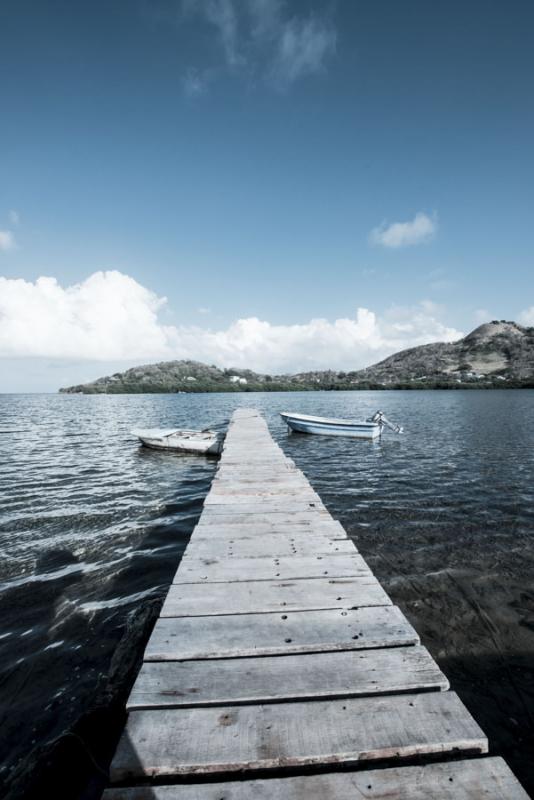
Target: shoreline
(400,387)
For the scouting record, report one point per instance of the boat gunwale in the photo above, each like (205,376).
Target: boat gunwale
(333,421)
(159,433)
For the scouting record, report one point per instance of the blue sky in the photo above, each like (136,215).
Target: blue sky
(268,168)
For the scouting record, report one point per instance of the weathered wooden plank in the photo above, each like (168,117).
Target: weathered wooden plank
(247,516)
(242,459)
(247,597)
(264,488)
(253,443)
(193,741)
(249,478)
(278,475)
(277,499)
(253,476)
(219,531)
(266,506)
(216,526)
(285,469)
(237,462)
(475,779)
(230,636)
(348,673)
(266,568)
(253,447)
(266,545)
(257,427)
(269,487)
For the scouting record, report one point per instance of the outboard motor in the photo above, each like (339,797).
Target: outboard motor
(384,422)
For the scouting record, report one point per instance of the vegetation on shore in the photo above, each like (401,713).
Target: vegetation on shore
(499,354)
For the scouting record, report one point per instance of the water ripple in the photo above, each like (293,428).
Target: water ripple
(92,527)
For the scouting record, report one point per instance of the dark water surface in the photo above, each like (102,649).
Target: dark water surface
(92,528)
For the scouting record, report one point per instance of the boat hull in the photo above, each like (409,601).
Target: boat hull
(354,430)
(200,443)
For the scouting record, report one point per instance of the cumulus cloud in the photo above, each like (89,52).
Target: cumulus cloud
(14,217)
(7,241)
(526,317)
(421,228)
(111,317)
(109,313)
(262,39)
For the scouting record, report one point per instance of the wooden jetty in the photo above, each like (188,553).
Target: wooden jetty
(280,669)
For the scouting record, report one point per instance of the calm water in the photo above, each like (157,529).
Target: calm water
(92,527)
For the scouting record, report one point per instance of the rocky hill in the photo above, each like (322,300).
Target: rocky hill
(498,353)
(179,376)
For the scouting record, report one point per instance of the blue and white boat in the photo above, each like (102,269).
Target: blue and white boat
(327,426)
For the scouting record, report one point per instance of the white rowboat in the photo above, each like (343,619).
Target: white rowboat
(201,442)
(327,426)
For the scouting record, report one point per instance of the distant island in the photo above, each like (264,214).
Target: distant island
(498,354)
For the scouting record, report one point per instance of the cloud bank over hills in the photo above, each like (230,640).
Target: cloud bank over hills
(111,317)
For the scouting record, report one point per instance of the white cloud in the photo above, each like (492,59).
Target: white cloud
(259,39)
(109,313)
(14,217)
(110,316)
(402,234)
(7,241)
(526,317)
